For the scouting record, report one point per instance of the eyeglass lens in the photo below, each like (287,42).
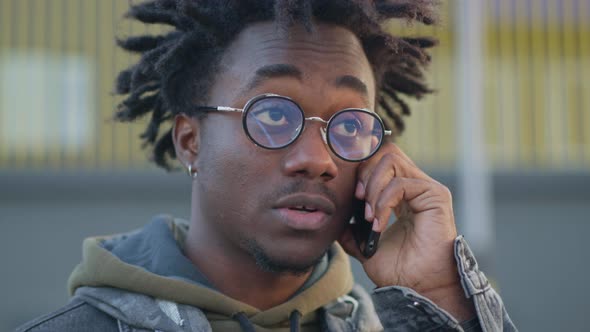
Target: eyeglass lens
(275,122)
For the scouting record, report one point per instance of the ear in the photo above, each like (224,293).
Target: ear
(186,138)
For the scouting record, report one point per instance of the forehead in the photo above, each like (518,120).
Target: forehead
(329,55)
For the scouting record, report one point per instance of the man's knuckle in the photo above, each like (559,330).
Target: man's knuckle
(380,205)
(446,192)
(388,158)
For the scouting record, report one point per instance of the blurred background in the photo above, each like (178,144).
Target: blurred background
(508,131)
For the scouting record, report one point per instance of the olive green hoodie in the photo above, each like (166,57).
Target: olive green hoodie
(143,279)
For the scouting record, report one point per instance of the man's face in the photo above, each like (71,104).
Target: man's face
(287,206)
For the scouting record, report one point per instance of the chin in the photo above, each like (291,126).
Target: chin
(294,262)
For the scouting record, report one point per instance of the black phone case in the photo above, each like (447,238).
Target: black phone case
(366,239)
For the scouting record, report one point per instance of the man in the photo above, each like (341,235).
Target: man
(272,105)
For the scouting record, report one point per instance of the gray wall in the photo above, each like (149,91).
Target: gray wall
(539,263)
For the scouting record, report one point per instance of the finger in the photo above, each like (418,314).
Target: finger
(390,154)
(420,196)
(389,167)
(383,170)
(396,149)
(393,196)
(408,167)
(367,167)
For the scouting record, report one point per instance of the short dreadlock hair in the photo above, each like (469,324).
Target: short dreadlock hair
(176,69)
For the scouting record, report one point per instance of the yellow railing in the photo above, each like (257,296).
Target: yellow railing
(58,62)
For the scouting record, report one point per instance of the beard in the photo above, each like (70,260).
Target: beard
(278,265)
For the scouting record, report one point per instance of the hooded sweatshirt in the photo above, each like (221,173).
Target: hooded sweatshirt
(143,280)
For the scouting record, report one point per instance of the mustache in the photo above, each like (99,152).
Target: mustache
(301,186)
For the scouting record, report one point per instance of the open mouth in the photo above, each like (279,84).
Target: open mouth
(303,217)
(302,209)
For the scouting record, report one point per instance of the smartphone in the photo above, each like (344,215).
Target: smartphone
(366,239)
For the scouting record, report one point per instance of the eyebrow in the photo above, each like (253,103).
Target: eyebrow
(274,71)
(353,83)
(287,70)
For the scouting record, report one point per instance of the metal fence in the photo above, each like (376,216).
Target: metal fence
(58,61)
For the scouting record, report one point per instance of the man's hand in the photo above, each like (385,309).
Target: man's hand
(417,250)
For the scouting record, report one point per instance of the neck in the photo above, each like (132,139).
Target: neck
(233,271)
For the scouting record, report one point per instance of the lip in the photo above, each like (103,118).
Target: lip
(301,220)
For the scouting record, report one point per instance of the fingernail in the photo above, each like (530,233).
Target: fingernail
(360,190)
(368,211)
(376,225)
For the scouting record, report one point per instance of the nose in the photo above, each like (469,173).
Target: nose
(309,156)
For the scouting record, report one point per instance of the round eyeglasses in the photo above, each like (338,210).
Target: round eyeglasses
(274,122)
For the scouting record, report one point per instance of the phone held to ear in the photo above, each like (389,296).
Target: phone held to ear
(366,239)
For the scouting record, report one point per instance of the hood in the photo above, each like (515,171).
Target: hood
(148,265)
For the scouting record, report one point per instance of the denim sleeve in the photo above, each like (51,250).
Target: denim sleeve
(403,309)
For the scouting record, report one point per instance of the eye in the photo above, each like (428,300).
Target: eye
(347,127)
(272,117)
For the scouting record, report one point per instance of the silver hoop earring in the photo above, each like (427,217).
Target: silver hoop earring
(191,172)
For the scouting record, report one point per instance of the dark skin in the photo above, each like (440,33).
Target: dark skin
(234,196)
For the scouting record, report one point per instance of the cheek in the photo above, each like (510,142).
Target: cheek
(226,191)
(230,166)
(346,185)
(223,171)
(222,143)
(347,171)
